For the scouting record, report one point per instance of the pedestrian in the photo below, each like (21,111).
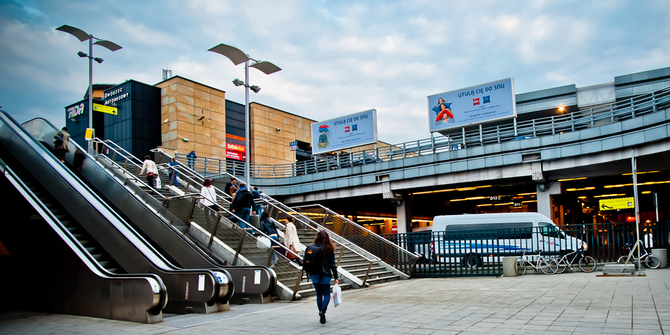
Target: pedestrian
(233,192)
(173,172)
(191,159)
(152,171)
(269,228)
(208,195)
(232,182)
(257,201)
(242,204)
(61,146)
(322,253)
(291,240)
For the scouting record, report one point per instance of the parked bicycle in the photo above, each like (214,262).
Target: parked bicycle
(646,258)
(586,263)
(546,265)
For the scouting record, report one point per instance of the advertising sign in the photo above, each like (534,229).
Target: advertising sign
(344,132)
(472,105)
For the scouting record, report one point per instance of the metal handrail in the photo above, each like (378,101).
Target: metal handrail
(191,195)
(631,107)
(376,236)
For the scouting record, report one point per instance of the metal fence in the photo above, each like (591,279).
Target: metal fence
(480,252)
(618,111)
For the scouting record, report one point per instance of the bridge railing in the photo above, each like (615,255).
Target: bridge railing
(458,139)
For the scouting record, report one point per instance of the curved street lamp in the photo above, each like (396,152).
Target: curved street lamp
(83,36)
(238,56)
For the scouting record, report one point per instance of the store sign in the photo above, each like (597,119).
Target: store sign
(238,156)
(472,105)
(616,203)
(75,110)
(235,147)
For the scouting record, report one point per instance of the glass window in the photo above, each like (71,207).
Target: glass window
(549,230)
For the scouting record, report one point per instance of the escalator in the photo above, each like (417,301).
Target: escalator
(104,237)
(253,284)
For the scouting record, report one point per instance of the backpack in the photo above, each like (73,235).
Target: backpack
(59,138)
(312,260)
(255,194)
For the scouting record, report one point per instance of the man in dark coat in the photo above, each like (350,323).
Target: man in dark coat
(229,184)
(242,204)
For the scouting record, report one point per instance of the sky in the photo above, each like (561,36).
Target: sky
(337,57)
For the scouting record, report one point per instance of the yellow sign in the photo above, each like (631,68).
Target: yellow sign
(105,109)
(89,134)
(616,203)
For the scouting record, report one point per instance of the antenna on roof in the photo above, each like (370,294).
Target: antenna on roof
(167,73)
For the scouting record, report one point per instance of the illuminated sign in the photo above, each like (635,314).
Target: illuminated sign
(114,96)
(616,203)
(235,147)
(89,134)
(75,110)
(105,109)
(235,155)
(472,105)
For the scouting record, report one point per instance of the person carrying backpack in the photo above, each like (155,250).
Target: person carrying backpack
(61,146)
(319,263)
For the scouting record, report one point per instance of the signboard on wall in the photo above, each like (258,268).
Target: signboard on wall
(616,203)
(344,132)
(472,105)
(235,148)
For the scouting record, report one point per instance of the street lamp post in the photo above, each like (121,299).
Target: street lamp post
(83,36)
(237,56)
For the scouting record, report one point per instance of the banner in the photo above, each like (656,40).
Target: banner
(472,105)
(345,132)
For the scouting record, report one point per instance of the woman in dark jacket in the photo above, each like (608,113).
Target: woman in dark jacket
(269,228)
(322,280)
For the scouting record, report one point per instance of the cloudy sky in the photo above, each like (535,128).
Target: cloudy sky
(337,57)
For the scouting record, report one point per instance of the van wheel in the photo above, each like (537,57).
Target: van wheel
(471,261)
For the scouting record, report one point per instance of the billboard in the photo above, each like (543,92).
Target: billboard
(472,105)
(344,132)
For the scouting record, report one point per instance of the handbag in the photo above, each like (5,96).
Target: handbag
(263,242)
(292,256)
(337,295)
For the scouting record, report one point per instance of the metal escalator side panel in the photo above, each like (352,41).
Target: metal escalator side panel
(74,283)
(115,236)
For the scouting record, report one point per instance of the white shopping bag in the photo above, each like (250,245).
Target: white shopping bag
(337,295)
(263,242)
(158,181)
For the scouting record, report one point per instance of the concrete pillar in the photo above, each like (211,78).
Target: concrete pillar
(544,193)
(404,215)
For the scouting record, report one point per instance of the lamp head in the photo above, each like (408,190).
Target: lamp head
(238,82)
(255,88)
(81,54)
(98,59)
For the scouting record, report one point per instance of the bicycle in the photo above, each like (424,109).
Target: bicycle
(646,258)
(547,265)
(586,263)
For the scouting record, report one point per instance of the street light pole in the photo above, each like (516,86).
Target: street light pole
(83,36)
(247,160)
(238,56)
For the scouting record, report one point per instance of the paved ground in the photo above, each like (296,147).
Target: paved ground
(570,303)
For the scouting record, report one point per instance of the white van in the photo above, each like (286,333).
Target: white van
(502,234)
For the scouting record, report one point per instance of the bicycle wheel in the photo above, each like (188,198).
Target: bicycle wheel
(587,264)
(622,259)
(562,265)
(548,266)
(652,261)
(520,266)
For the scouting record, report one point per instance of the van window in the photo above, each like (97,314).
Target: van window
(549,230)
(505,230)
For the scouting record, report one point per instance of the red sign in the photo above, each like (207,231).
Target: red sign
(236,147)
(235,155)
(475,102)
